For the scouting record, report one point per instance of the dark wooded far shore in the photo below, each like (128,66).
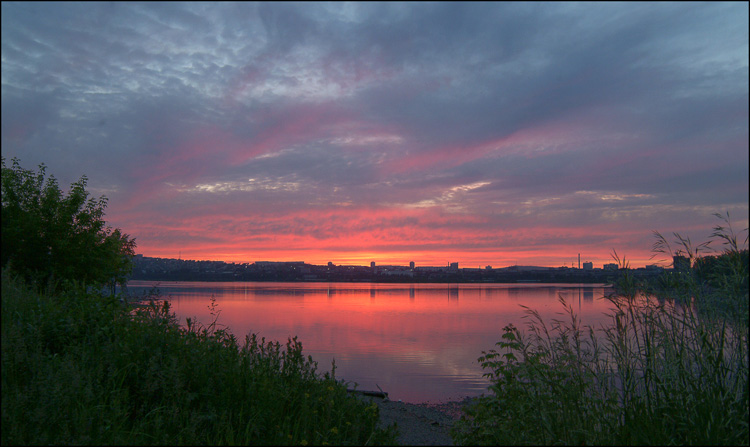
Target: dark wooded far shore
(167,269)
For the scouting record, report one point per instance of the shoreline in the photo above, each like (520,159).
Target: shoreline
(421,424)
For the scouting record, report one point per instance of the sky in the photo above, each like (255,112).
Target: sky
(480,133)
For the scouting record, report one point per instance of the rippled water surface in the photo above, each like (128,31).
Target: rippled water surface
(418,342)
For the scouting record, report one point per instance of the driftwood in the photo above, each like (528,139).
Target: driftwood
(381,394)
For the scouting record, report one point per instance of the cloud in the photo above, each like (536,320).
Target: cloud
(347,131)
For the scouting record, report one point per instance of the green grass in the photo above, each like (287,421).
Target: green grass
(79,368)
(671,368)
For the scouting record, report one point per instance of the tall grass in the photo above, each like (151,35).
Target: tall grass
(666,370)
(78,368)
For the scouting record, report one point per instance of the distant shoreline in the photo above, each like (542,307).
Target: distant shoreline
(165,269)
(365,281)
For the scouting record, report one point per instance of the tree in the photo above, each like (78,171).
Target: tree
(49,236)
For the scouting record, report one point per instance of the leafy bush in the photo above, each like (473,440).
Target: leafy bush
(48,236)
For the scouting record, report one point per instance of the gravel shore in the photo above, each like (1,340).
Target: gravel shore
(421,424)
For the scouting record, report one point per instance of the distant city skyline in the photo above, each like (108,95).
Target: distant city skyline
(170,269)
(398,262)
(490,133)
(412,264)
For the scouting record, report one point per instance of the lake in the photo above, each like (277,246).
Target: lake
(418,342)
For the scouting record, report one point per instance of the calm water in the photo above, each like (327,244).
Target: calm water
(418,342)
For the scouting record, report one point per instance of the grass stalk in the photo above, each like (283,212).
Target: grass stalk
(670,368)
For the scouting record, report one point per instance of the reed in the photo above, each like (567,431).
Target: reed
(79,368)
(669,368)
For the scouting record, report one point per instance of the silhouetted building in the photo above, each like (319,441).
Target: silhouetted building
(681,263)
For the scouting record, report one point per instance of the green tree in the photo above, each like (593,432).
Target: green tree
(50,237)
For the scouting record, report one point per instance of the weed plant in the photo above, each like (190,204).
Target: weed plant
(79,368)
(668,369)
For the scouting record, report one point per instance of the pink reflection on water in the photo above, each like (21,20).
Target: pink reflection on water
(418,342)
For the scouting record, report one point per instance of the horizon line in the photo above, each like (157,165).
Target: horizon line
(656,263)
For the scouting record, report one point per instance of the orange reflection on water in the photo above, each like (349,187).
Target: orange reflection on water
(419,342)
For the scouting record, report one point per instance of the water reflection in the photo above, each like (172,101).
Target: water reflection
(419,342)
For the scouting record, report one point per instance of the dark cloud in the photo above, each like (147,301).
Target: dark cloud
(494,116)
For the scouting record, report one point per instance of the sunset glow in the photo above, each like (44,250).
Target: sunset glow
(485,134)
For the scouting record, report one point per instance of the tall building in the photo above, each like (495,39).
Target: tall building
(681,263)
(411,265)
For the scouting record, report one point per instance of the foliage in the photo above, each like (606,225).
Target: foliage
(714,283)
(48,236)
(79,368)
(666,370)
